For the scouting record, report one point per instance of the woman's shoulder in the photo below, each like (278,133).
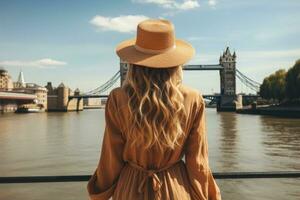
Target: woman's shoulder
(118,95)
(117,92)
(191,93)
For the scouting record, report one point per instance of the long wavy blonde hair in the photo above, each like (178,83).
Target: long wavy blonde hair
(157,113)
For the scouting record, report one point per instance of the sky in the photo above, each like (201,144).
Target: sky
(74,41)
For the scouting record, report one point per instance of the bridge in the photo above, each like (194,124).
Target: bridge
(226,100)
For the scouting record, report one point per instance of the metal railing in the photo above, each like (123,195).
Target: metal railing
(217,175)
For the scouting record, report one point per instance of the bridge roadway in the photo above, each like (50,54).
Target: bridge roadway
(202,67)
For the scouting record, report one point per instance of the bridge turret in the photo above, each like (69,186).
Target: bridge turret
(77,92)
(227,52)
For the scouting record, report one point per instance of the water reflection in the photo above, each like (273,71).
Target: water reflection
(228,137)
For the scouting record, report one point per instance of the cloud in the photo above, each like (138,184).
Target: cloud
(172,4)
(46,62)
(187,5)
(212,3)
(123,23)
(163,3)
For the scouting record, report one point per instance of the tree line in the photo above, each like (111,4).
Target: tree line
(282,85)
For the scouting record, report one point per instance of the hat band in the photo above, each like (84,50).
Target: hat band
(153,51)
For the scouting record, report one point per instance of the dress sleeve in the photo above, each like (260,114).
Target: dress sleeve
(196,157)
(102,183)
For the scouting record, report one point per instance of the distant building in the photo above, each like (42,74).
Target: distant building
(19,93)
(10,101)
(39,91)
(6,83)
(31,88)
(94,102)
(58,98)
(103,102)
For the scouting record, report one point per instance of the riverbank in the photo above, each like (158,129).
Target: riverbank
(273,110)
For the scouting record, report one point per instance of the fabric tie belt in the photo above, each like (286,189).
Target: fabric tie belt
(151,173)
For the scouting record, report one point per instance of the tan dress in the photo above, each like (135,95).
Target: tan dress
(128,173)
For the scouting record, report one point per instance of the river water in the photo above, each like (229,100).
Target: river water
(69,144)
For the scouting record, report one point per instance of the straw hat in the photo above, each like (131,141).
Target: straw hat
(155,46)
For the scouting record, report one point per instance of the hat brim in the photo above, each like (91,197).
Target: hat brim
(179,55)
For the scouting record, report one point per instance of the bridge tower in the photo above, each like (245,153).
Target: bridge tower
(227,81)
(227,74)
(123,70)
